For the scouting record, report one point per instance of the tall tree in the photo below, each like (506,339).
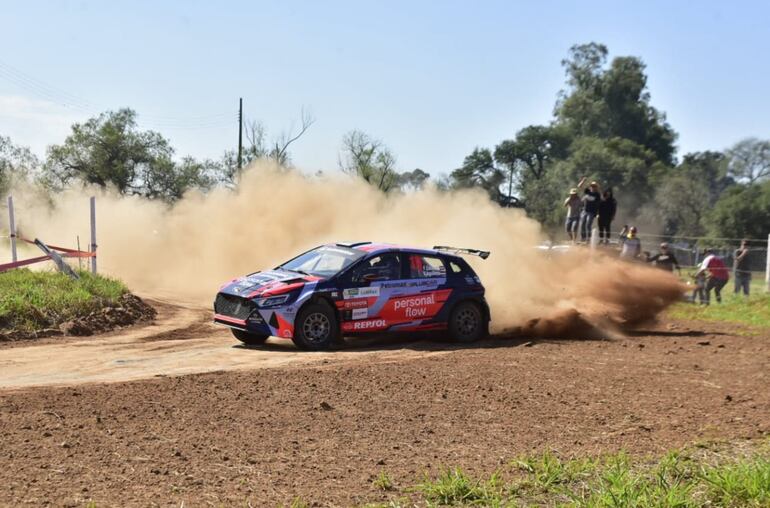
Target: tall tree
(749,160)
(743,211)
(17,163)
(413,180)
(368,159)
(479,170)
(612,102)
(684,196)
(110,150)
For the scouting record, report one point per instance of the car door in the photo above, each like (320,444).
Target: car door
(367,288)
(420,295)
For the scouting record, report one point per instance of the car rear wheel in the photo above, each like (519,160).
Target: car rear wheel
(316,327)
(467,323)
(251,339)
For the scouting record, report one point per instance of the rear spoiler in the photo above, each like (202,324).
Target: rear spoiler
(483,254)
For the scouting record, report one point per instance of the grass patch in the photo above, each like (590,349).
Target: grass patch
(32,300)
(754,310)
(724,475)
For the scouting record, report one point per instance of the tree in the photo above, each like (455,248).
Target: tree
(369,159)
(613,102)
(743,211)
(413,180)
(684,196)
(749,160)
(110,150)
(17,163)
(257,147)
(479,170)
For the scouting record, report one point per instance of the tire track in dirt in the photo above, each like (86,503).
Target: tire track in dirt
(181,341)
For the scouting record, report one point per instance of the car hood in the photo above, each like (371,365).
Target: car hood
(268,283)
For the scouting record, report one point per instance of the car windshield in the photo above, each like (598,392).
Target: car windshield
(324,261)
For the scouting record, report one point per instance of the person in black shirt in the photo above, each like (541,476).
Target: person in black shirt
(607,208)
(741,268)
(591,198)
(665,259)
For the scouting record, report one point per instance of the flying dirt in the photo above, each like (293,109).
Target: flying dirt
(189,249)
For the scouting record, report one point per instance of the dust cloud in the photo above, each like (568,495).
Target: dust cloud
(190,249)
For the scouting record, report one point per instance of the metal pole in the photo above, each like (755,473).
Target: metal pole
(93,233)
(594,238)
(80,260)
(13,230)
(240,133)
(767,266)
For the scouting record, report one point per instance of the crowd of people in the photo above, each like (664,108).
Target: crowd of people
(588,204)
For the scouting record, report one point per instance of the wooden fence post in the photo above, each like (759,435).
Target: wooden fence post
(13,230)
(767,266)
(93,233)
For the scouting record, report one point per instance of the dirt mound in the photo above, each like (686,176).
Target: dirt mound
(128,310)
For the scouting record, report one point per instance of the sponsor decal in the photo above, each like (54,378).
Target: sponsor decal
(359,326)
(356,304)
(335,294)
(361,292)
(365,325)
(413,283)
(287,334)
(415,306)
(360,313)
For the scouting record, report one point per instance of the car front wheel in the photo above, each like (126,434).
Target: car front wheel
(316,327)
(467,323)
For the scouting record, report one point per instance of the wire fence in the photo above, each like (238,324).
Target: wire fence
(690,251)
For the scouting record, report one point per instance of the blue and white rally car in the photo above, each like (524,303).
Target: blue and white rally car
(345,289)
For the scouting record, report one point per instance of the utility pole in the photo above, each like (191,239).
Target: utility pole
(240,133)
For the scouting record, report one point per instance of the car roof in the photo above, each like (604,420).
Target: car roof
(377,247)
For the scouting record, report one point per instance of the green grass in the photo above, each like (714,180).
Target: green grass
(32,300)
(723,475)
(754,310)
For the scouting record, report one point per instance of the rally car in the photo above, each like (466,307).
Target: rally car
(346,289)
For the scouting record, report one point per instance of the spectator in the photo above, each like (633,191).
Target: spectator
(623,235)
(718,275)
(591,197)
(665,259)
(607,208)
(700,288)
(741,269)
(573,204)
(632,246)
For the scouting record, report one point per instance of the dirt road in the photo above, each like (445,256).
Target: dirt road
(322,426)
(182,340)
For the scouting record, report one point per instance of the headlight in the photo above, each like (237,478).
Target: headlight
(272,301)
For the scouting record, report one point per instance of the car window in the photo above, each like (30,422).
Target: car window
(425,267)
(324,261)
(455,267)
(383,267)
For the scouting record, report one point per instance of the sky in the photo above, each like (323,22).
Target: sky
(431,80)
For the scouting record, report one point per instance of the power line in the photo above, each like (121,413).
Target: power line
(69,101)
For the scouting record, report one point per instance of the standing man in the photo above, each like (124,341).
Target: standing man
(591,197)
(741,269)
(607,208)
(665,259)
(718,274)
(573,204)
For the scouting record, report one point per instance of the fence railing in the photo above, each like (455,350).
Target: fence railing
(63,252)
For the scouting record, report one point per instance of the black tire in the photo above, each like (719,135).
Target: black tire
(316,327)
(467,323)
(251,339)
